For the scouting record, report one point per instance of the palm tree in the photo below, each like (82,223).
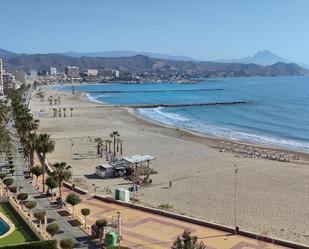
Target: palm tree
(114,135)
(44,145)
(109,143)
(62,173)
(99,142)
(6,142)
(71,109)
(55,112)
(29,146)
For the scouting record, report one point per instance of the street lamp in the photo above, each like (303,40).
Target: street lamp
(235,201)
(119,229)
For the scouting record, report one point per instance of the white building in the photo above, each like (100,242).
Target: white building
(92,72)
(52,71)
(32,75)
(1,77)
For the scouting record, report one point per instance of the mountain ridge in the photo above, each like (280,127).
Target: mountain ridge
(263,58)
(139,63)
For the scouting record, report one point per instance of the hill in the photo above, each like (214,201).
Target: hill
(263,58)
(141,63)
(127,53)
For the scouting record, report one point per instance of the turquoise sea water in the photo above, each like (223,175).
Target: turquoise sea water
(279,116)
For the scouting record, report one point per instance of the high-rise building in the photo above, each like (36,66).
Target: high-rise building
(72,72)
(52,71)
(1,77)
(8,82)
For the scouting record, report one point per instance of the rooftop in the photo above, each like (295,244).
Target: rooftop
(138,158)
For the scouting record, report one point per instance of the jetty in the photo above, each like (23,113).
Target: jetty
(189,105)
(158,91)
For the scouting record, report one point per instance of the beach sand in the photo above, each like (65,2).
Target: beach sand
(272,196)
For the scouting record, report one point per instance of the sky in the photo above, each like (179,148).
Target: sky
(202,29)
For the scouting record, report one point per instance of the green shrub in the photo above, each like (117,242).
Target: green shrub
(53,229)
(67,244)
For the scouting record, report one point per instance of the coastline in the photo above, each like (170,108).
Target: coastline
(200,173)
(191,134)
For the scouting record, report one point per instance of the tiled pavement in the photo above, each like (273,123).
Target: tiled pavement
(141,229)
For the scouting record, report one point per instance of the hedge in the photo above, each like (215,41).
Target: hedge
(47,244)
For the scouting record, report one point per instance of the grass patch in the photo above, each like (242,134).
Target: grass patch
(22,232)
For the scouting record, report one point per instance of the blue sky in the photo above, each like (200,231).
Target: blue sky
(203,29)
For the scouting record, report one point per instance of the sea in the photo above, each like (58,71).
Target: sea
(277,117)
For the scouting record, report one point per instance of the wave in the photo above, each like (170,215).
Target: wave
(177,120)
(93,98)
(163,117)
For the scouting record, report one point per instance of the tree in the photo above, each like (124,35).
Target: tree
(29,146)
(22,197)
(73,199)
(53,229)
(186,241)
(44,145)
(85,212)
(37,171)
(13,189)
(12,171)
(115,136)
(71,109)
(62,173)
(99,142)
(40,216)
(101,224)
(8,182)
(2,176)
(55,112)
(51,184)
(67,244)
(30,205)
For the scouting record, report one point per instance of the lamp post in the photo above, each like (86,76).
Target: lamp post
(73,185)
(235,201)
(119,230)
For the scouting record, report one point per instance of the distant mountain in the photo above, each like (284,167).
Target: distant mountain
(139,63)
(127,53)
(6,54)
(263,58)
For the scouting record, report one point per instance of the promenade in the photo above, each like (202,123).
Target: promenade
(66,229)
(146,230)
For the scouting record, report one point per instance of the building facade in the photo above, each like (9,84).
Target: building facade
(1,77)
(109,73)
(52,71)
(72,72)
(8,82)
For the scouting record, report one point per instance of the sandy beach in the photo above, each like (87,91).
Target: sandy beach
(273,196)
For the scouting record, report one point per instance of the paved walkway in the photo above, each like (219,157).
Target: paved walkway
(66,229)
(150,231)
